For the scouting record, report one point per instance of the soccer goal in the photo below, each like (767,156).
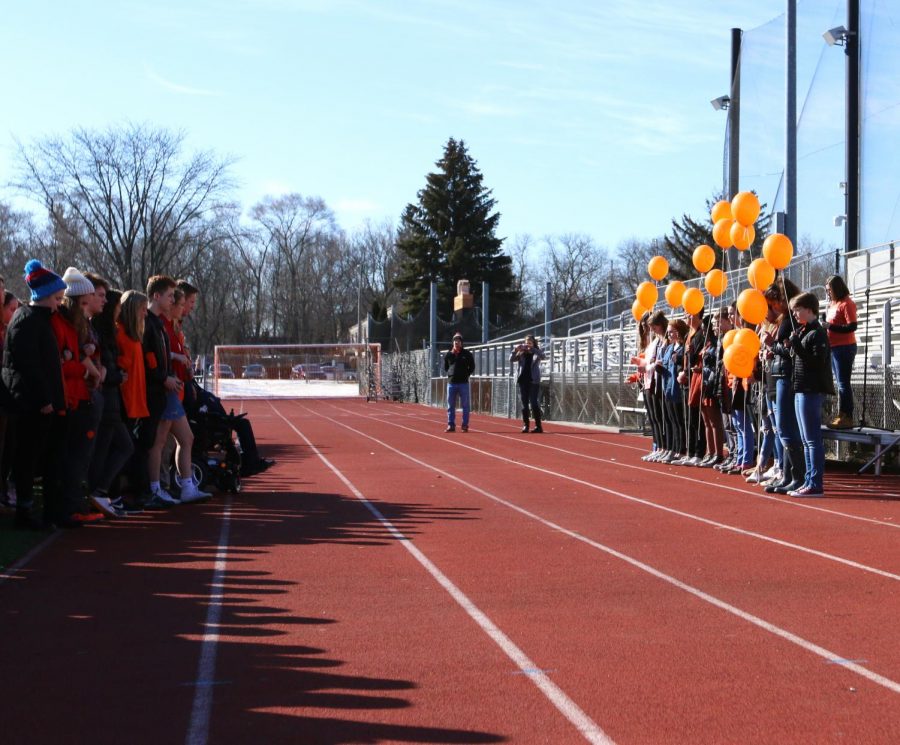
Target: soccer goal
(295,371)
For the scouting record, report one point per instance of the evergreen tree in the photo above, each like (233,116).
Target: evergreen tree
(450,235)
(688,233)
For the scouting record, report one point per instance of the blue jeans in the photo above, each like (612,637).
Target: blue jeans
(809,416)
(786,414)
(457,391)
(771,442)
(746,444)
(842,366)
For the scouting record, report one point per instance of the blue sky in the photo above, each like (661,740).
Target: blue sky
(589,117)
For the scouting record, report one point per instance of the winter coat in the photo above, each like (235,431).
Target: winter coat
(459,366)
(812,360)
(537,354)
(73,369)
(32,372)
(157,361)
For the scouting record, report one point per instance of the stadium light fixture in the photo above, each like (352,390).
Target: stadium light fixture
(721,103)
(836,36)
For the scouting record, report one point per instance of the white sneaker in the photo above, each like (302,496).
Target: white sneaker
(190,492)
(102,503)
(165,496)
(771,473)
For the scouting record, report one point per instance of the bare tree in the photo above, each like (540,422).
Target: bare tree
(578,270)
(125,198)
(294,227)
(374,248)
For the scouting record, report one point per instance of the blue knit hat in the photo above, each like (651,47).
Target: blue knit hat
(42,282)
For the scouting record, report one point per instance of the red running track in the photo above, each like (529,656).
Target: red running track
(386,582)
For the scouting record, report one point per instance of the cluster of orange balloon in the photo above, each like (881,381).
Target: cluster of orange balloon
(733,221)
(732,226)
(742,348)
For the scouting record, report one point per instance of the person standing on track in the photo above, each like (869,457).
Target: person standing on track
(459,364)
(528,355)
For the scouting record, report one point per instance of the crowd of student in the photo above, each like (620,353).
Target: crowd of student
(701,415)
(95,387)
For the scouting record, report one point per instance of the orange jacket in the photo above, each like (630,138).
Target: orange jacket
(73,370)
(131,360)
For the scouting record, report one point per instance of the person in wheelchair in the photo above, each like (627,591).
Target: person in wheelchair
(206,408)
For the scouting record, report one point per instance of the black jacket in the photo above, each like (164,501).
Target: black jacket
(32,371)
(111,390)
(157,361)
(783,362)
(459,366)
(812,360)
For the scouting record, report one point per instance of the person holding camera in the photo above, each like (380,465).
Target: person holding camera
(459,364)
(528,356)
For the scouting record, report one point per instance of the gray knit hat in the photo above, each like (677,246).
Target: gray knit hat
(76,283)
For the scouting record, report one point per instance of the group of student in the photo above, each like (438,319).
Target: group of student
(701,415)
(95,382)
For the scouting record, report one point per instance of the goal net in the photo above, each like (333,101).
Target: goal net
(295,371)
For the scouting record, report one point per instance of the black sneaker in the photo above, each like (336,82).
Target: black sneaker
(118,506)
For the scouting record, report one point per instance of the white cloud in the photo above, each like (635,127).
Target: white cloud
(184,90)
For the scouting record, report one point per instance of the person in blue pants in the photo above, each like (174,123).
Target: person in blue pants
(459,364)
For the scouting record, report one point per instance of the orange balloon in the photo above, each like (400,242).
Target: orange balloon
(739,360)
(722,232)
(674,292)
(752,306)
(704,258)
(742,237)
(728,338)
(760,274)
(692,301)
(748,338)
(778,250)
(658,268)
(720,211)
(647,294)
(715,282)
(745,208)
(638,310)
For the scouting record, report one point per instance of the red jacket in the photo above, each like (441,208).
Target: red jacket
(73,370)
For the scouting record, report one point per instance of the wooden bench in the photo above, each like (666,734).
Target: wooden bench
(880,439)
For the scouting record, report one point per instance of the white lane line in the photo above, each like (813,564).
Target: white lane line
(827,655)
(13,569)
(201,711)
(657,506)
(589,729)
(644,469)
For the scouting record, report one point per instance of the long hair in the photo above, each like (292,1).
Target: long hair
(104,323)
(838,287)
(643,331)
(72,312)
(132,316)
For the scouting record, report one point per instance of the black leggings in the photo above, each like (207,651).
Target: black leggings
(696,433)
(675,419)
(657,417)
(530,393)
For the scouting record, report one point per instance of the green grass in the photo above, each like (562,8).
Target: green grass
(14,544)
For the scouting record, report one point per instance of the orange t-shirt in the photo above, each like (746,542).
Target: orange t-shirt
(134,390)
(841,312)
